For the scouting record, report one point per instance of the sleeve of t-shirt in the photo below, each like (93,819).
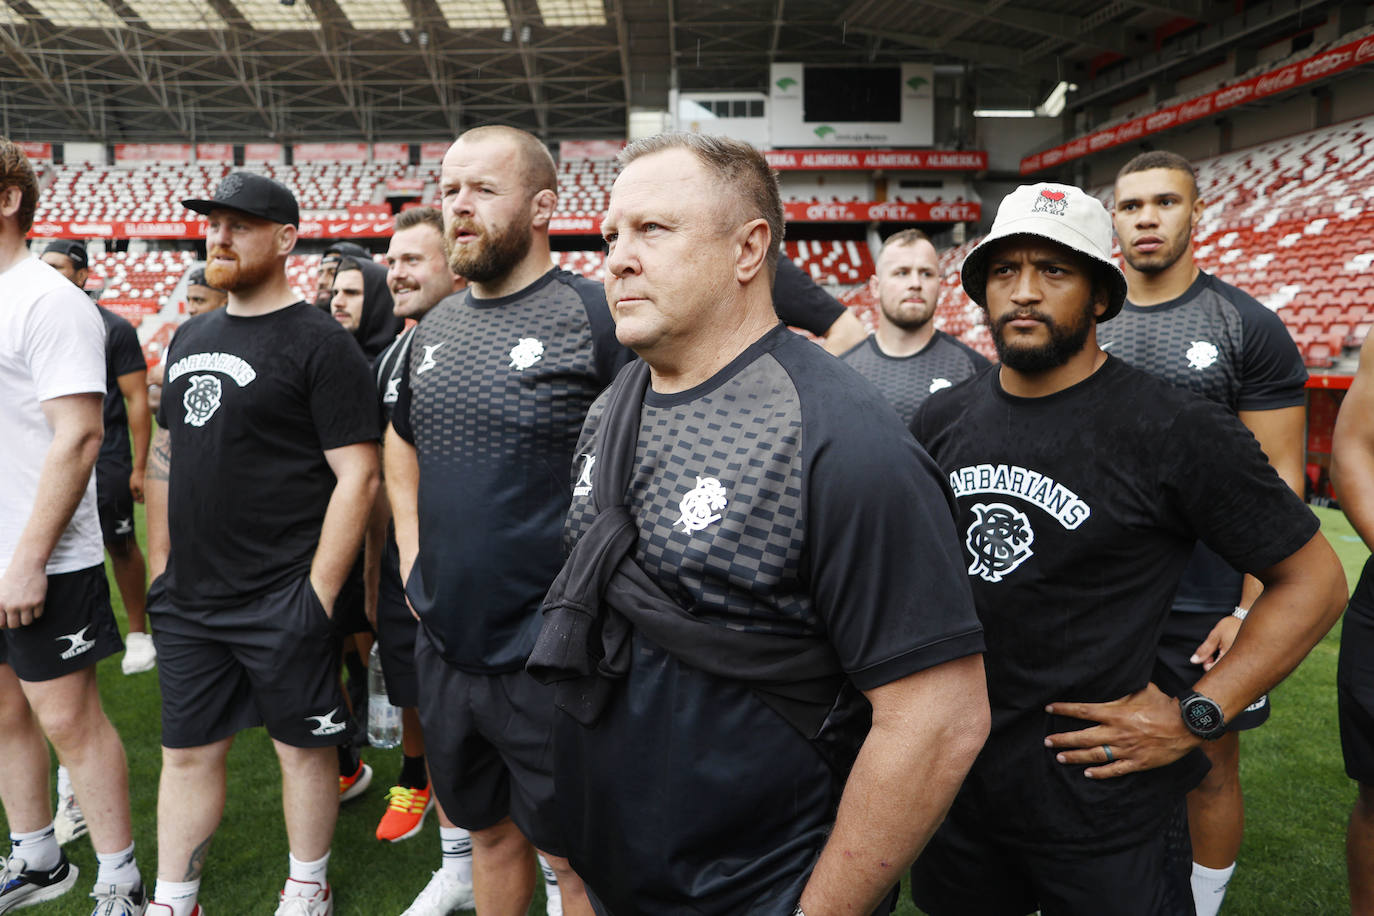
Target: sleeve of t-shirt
(400,411)
(1273,375)
(608,354)
(1224,487)
(125,354)
(342,394)
(800,303)
(64,343)
(887,575)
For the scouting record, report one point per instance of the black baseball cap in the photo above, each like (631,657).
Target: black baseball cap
(256,195)
(347,250)
(75,252)
(197,278)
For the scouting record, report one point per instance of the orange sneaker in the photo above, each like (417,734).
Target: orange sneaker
(352,786)
(405,813)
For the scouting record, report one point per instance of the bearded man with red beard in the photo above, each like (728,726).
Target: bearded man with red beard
(267,402)
(497,383)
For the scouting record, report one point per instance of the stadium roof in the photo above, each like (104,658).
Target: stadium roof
(293,70)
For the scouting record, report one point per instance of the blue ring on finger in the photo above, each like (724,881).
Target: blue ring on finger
(1108,752)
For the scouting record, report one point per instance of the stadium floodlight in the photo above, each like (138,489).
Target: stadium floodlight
(1054,103)
(475,14)
(568,13)
(274,16)
(177,14)
(79,14)
(377,15)
(1004,112)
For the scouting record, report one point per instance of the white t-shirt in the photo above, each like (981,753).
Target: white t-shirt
(52,344)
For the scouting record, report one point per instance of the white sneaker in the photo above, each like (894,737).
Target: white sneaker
(70,823)
(139,654)
(442,895)
(120,899)
(306,898)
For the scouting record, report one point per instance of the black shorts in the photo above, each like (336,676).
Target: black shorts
(1355,681)
(350,614)
(1183,633)
(967,869)
(488,740)
(115,502)
(396,629)
(76,629)
(274,661)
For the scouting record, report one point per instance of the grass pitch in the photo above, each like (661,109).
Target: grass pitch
(1297,797)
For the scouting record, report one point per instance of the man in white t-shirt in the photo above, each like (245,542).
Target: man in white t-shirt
(55,615)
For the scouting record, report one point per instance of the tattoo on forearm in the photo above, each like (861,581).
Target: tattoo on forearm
(160,456)
(196,864)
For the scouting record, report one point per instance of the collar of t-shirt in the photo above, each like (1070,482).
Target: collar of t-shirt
(1104,374)
(752,352)
(1192,292)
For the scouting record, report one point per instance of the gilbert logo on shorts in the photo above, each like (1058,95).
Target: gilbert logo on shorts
(78,644)
(702,505)
(1053,202)
(325,724)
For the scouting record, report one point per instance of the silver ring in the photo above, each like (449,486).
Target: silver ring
(1108,752)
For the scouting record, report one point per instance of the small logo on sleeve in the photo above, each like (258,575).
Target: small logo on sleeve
(702,505)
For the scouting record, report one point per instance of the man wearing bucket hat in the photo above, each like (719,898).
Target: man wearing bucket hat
(1081,485)
(243,611)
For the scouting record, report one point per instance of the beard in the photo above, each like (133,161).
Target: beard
(236,276)
(1156,262)
(1065,341)
(906,319)
(492,255)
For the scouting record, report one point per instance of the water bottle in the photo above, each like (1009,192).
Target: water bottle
(383,719)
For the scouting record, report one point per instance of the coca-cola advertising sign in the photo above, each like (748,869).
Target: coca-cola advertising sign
(1318,67)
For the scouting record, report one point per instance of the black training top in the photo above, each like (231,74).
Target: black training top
(906,381)
(800,303)
(1219,342)
(387,370)
(122,356)
(781,496)
(493,398)
(1078,512)
(251,405)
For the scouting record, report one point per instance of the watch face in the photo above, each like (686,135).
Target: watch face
(1202,715)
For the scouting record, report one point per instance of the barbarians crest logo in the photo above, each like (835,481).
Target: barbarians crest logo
(526,353)
(1050,202)
(702,505)
(1201,354)
(999,539)
(202,398)
(229,187)
(939,384)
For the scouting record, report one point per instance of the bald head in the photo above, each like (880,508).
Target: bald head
(538,171)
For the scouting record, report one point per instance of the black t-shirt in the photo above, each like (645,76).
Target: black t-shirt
(387,371)
(1078,512)
(800,303)
(1219,342)
(783,496)
(251,405)
(122,356)
(906,381)
(493,397)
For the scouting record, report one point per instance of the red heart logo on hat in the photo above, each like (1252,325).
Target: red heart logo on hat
(1053,195)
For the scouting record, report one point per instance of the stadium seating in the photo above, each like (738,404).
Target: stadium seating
(137,284)
(832,262)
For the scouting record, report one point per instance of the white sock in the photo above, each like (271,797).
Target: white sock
(306,872)
(38,849)
(550,879)
(178,896)
(117,867)
(64,782)
(456,846)
(1209,887)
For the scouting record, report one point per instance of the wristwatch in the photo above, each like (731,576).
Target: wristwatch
(1202,716)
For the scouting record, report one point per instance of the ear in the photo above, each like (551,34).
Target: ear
(1102,292)
(9,201)
(542,206)
(81,276)
(286,239)
(751,250)
(873,285)
(1198,207)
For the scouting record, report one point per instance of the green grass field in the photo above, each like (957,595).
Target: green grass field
(1297,797)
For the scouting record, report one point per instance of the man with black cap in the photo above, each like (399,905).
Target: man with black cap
(1082,484)
(118,482)
(362,304)
(244,629)
(329,263)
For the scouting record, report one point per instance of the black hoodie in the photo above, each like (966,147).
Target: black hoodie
(378,326)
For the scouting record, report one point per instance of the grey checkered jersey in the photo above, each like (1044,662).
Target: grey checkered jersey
(1216,341)
(906,381)
(493,398)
